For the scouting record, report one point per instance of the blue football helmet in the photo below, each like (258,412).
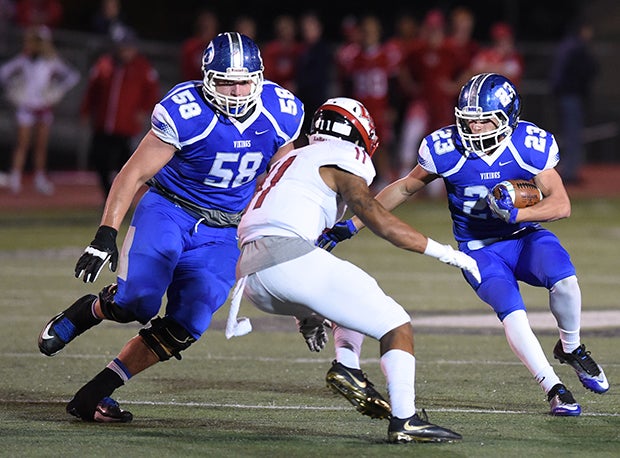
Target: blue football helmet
(487,96)
(232,57)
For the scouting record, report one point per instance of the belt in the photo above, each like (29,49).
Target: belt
(208,216)
(477,244)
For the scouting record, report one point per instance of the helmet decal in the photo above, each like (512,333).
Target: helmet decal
(209,54)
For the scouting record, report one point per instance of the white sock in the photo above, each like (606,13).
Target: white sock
(547,378)
(347,358)
(526,347)
(348,345)
(570,340)
(398,366)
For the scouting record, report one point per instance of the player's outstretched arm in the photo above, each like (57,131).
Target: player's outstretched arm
(369,210)
(390,197)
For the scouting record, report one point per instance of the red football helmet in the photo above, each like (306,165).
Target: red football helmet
(348,120)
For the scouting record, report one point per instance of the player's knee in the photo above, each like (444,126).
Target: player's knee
(166,338)
(111,310)
(567,287)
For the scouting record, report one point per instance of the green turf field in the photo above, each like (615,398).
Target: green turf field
(264,394)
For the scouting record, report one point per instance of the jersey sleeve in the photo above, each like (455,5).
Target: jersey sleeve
(285,111)
(350,158)
(425,158)
(163,126)
(537,147)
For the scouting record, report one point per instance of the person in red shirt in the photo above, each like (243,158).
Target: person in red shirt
(370,73)
(122,89)
(430,76)
(206,28)
(281,53)
(462,23)
(345,52)
(501,57)
(398,46)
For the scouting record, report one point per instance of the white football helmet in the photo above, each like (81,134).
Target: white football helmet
(232,57)
(346,119)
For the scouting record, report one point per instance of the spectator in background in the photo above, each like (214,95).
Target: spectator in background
(122,89)
(370,73)
(501,57)
(431,78)
(344,54)
(460,37)
(314,67)
(38,12)
(573,72)
(108,19)
(281,53)
(245,25)
(206,28)
(398,47)
(34,82)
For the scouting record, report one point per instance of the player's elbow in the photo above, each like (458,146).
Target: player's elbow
(562,210)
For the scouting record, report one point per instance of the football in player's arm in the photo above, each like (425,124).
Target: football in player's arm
(490,144)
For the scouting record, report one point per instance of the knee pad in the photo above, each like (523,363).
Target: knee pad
(166,338)
(111,310)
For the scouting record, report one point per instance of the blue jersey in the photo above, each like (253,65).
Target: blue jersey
(218,158)
(470,177)
(166,252)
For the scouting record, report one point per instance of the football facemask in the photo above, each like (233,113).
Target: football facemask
(232,58)
(487,96)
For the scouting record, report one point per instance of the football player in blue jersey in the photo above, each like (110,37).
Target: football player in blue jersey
(209,142)
(488,144)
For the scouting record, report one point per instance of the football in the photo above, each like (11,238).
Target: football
(523,193)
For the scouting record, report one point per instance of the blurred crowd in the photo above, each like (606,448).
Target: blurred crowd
(408,72)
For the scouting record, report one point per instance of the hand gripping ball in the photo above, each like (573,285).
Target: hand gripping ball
(523,193)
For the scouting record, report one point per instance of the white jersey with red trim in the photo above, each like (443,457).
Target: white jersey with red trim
(294,201)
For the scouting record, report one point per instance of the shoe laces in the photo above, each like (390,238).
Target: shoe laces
(586,361)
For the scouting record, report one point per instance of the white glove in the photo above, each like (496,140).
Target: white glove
(447,254)
(314,330)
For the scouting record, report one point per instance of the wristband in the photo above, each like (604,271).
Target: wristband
(434,249)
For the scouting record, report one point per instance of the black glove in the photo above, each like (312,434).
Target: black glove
(314,330)
(341,231)
(101,250)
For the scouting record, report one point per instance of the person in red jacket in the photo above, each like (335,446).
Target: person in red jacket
(122,89)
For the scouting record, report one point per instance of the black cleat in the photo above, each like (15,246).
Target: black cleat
(417,429)
(590,374)
(61,330)
(358,390)
(107,411)
(562,402)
